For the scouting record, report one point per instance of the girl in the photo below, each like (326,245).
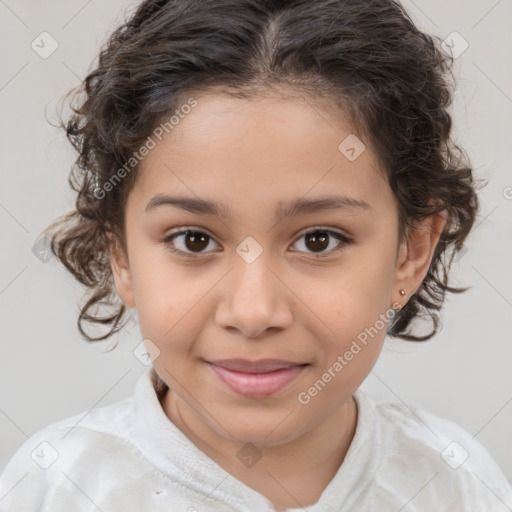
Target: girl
(273,187)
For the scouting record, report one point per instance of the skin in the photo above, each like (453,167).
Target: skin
(290,303)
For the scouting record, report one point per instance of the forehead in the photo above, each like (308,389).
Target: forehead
(269,147)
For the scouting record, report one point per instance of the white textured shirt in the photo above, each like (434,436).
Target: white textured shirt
(130,457)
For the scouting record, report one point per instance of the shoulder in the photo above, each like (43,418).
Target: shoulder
(44,461)
(418,450)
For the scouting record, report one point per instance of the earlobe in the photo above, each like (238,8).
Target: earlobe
(415,256)
(121,272)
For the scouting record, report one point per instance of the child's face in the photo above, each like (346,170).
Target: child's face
(300,300)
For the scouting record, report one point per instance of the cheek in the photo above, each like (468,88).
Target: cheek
(171,315)
(352,295)
(348,356)
(355,343)
(168,300)
(351,312)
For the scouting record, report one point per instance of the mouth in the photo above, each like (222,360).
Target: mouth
(256,379)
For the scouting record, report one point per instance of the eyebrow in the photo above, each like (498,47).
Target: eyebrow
(296,207)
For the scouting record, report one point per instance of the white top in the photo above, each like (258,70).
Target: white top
(130,457)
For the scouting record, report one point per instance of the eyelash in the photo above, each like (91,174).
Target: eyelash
(343,239)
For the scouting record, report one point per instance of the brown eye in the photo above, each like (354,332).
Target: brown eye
(188,242)
(196,241)
(317,242)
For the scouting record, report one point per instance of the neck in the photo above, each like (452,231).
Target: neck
(291,474)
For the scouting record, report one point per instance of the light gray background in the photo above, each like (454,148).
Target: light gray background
(49,373)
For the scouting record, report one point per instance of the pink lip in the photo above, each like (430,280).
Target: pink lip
(261,366)
(258,379)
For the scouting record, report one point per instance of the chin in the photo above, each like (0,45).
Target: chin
(271,430)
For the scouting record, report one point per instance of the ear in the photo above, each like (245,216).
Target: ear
(415,255)
(121,271)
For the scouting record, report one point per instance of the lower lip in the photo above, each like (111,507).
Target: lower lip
(257,385)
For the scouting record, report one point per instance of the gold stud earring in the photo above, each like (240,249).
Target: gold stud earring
(402,293)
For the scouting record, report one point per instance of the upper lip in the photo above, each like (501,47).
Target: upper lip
(260,366)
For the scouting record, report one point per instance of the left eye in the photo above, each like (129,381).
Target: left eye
(317,240)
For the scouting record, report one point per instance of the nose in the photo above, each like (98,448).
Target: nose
(254,299)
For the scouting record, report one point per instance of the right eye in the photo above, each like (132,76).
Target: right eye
(189,240)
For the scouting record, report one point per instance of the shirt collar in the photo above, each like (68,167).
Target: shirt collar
(168,449)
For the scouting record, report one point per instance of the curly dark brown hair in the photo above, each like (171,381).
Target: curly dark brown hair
(393,81)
